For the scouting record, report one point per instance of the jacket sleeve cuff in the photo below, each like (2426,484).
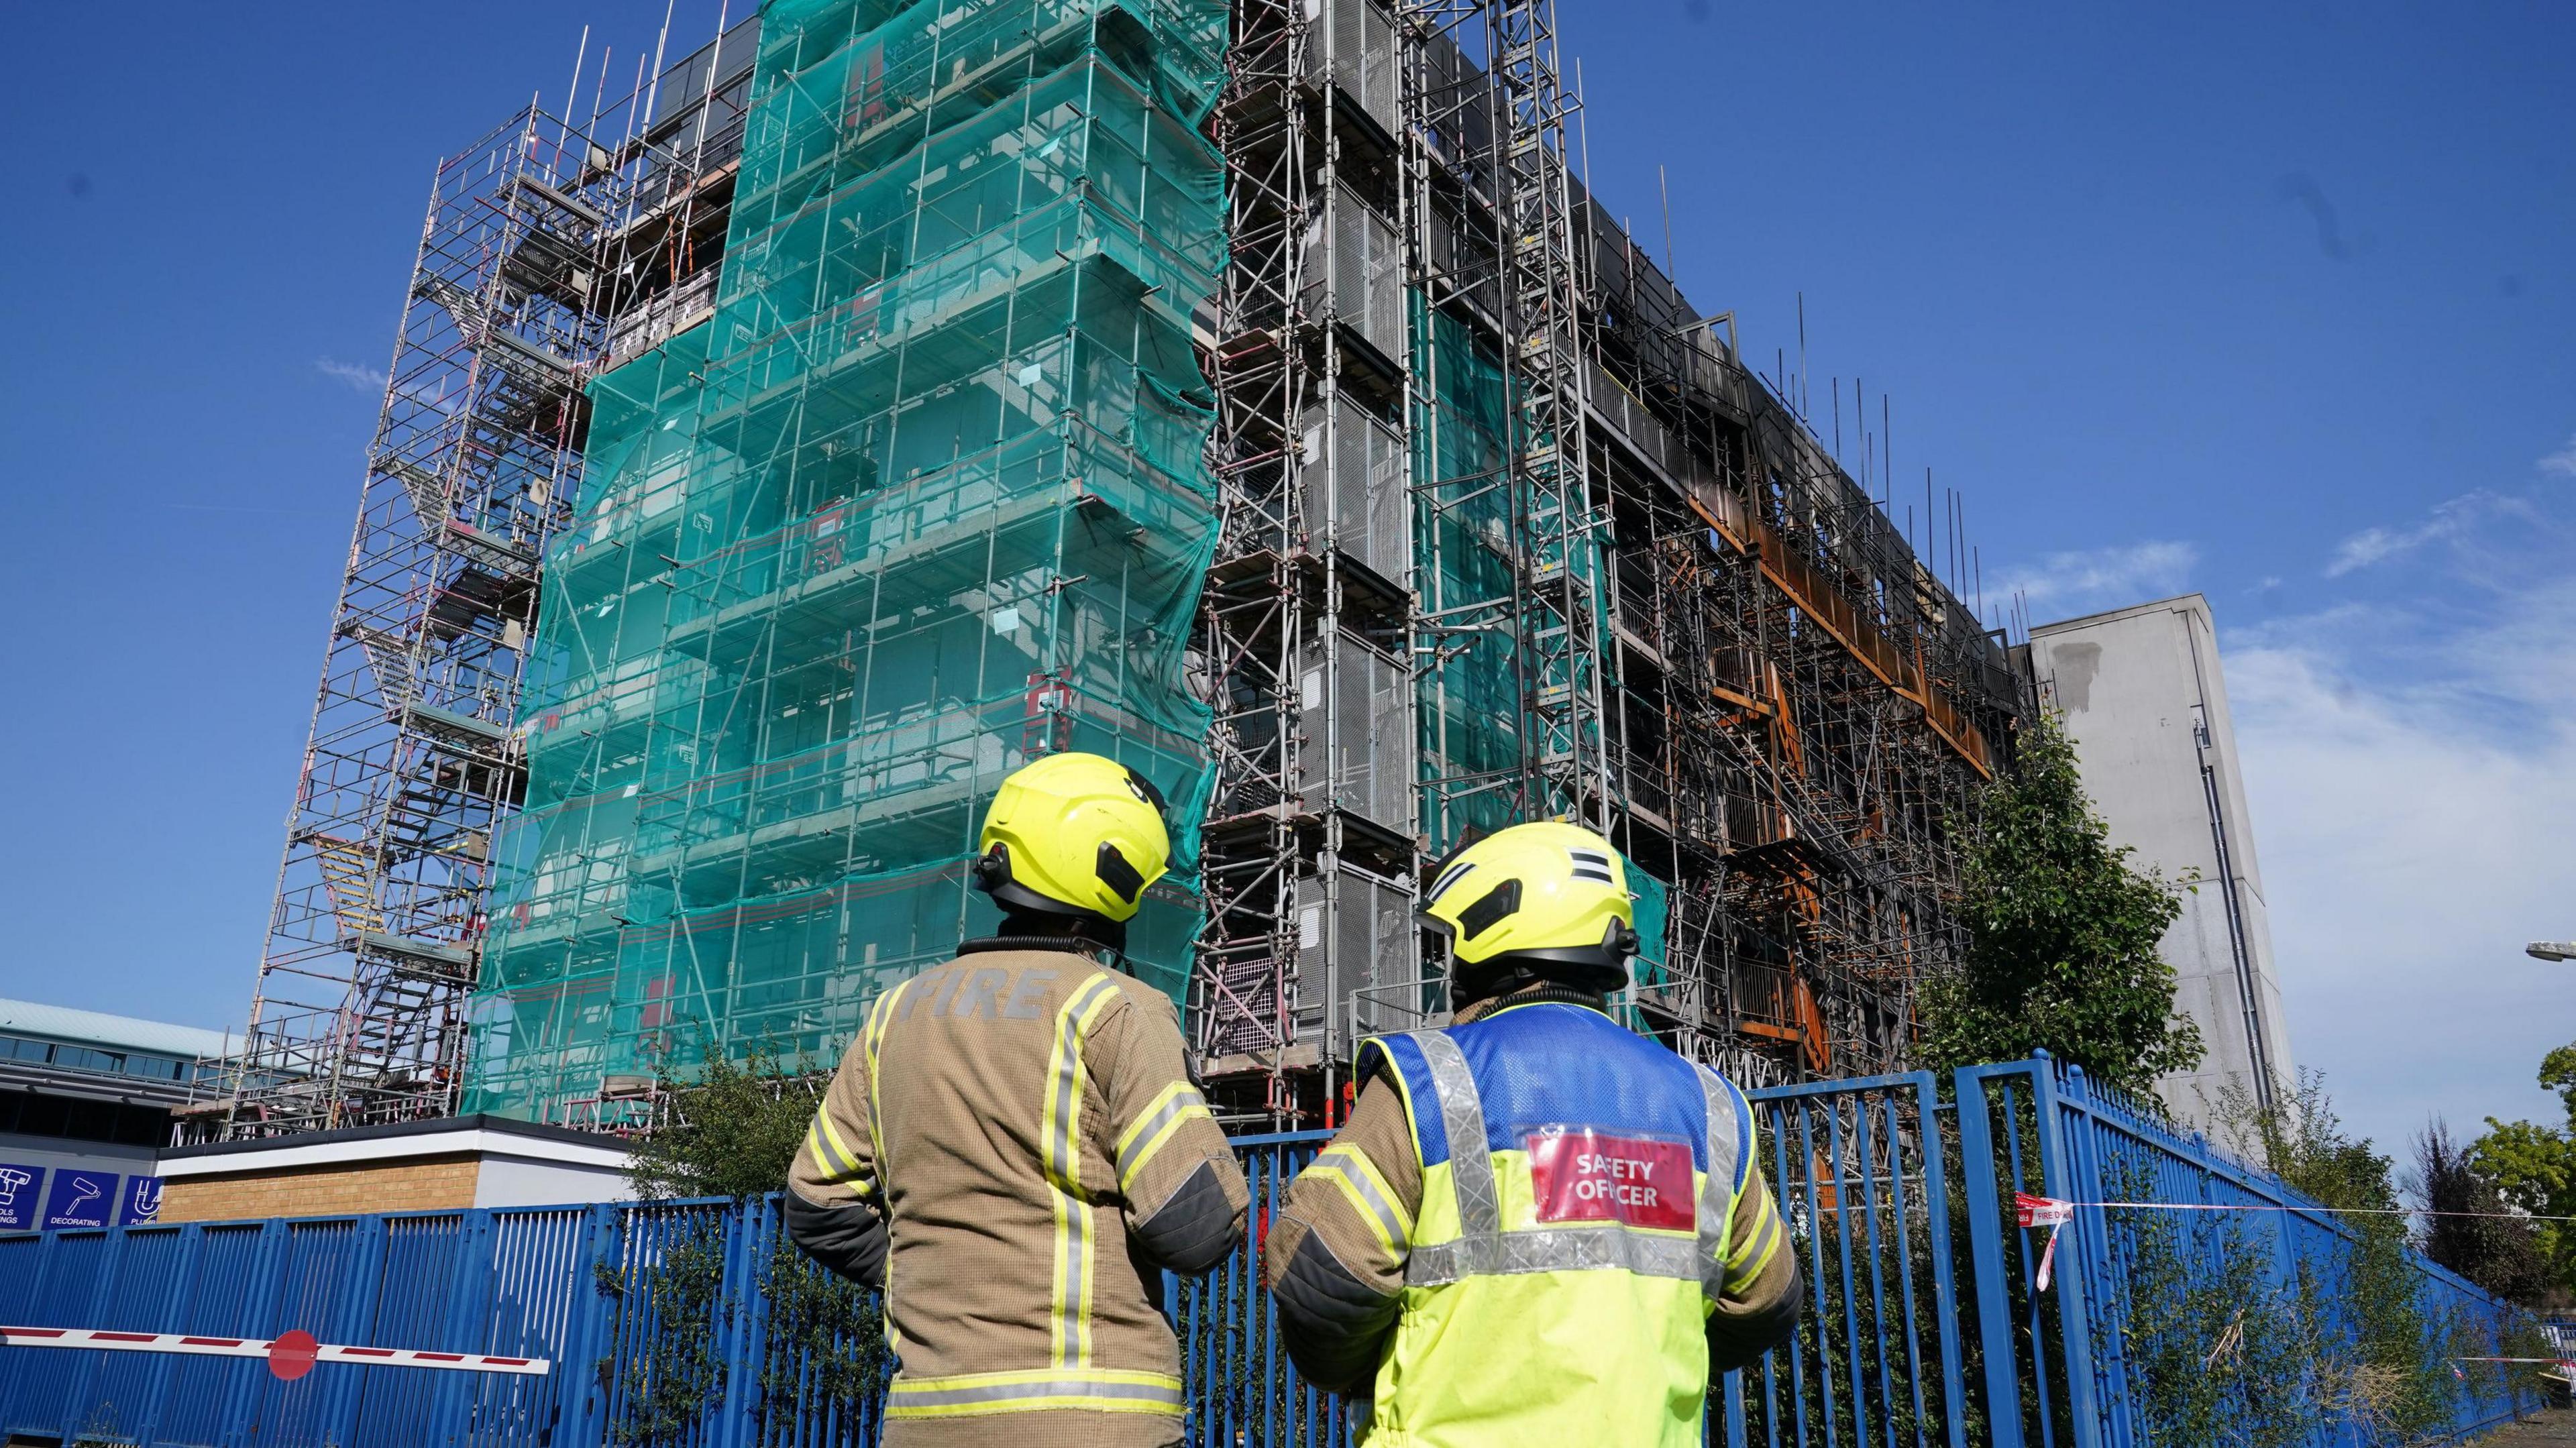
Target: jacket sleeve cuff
(1739,1337)
(1195,1227)
(1334,1325)
(849,1240)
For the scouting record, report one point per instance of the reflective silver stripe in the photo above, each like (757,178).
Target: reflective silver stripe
(1717,1194)
(1065,1159)
(1142,1134)
(1168,1394)
(1763,1237)
(1554,1249)
(1471,1163)
(1069,1314)
(1366,1187)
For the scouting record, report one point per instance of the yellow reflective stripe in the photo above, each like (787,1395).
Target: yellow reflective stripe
(824,1168)
(1761,1245)
(874,1036)
(1763,1216)
(840,1164)
(1350,1169)
(1059,1141)
(1154,1126)
(1092,1389)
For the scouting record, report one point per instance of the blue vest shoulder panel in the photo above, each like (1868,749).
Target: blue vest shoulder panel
(1553,1064)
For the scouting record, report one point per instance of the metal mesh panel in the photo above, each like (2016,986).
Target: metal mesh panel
(1361,59)
(1354,956)
(1365,272)
(1353,471)
(1356,712)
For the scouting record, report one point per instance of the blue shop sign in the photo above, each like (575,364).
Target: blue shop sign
(82,1198)
(141,1202)
(22,1188)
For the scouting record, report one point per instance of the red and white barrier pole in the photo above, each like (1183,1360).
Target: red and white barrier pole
(290,1356)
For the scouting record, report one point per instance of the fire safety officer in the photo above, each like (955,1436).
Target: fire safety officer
(1538,1226)
(1012,1150)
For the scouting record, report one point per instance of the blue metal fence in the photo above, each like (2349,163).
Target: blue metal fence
(692,1325)
(2085,1362)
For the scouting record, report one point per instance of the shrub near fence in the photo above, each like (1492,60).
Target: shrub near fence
(693,1325)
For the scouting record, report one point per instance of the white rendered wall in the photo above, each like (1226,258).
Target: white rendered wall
(2143,701)
(515,1181)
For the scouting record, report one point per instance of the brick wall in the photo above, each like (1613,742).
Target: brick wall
(318,1191)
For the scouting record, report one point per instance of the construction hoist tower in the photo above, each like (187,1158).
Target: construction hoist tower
(1558,555)
(1309,849)
(536,240)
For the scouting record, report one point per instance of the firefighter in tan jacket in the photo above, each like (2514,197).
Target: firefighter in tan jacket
(1013,1152)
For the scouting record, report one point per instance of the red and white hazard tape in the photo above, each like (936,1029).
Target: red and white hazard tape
(2046,1212)
(2055,1212)
(290,1356)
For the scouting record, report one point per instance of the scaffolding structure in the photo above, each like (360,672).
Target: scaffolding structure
(544,252)
(1250,390)
(1625,585)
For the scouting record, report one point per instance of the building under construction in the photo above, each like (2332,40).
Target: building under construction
(1251,392)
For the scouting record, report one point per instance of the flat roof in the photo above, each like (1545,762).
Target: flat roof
(2180,602)
(436,1134)
(124,1033)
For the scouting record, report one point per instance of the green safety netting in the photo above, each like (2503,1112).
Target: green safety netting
(1470,696)
(923,500)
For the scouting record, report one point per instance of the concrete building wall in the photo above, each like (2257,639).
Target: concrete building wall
(2144,702)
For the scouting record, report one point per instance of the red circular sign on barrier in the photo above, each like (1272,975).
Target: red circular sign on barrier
(293,1354)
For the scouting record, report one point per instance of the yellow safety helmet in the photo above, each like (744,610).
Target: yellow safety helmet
(1073,834)
(1537,901)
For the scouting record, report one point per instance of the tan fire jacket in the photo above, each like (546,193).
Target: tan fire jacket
(1013,1150)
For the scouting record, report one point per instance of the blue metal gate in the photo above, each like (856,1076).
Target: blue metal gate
(672,1324)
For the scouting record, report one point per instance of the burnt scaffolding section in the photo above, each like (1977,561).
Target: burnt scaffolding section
(1627,586)
(544,251)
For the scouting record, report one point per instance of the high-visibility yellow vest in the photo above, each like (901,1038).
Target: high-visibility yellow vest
(1578,1182)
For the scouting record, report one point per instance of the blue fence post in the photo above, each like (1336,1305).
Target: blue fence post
(469,1308)
(175,1310)
(358,1319)
(102,1294)
(2075,1333)
(1945,1285)
(744,1319)
(1986,1254)
(240,1420)
(578,1419)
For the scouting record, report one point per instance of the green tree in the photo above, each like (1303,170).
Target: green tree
(2062,936)
(732,1131)
(2467,1227)
(2533,1167)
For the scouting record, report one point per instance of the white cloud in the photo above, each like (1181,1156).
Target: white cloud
(2562,461)
(2062,584)
(360,378)
(2449,519)
(2412,773)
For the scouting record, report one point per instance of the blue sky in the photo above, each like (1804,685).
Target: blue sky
(2273,302)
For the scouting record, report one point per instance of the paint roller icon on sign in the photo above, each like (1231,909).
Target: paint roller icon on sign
(84,1192)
